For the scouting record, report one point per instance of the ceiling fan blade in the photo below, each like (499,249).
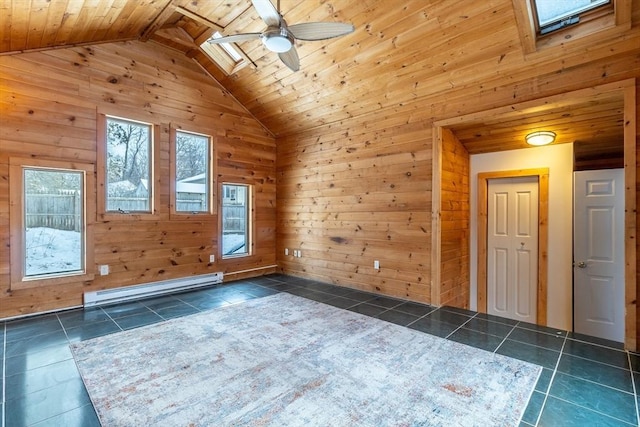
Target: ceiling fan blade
(235,38)
(290,59)
(320,30)
(267,12)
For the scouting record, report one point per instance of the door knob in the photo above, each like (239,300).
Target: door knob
(582,264)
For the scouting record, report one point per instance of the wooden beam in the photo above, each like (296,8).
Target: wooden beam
(158,21)
(67,46)
(198,18)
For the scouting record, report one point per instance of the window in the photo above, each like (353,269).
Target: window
(49,222)
(127,168)
(226,55)
(553,15)
(129,147)
(231,51)
(548,24)
(191,169)
(236,220)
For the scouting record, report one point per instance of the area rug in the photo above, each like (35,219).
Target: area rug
(283,360)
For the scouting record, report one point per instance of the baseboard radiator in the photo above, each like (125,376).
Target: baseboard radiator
(111,296)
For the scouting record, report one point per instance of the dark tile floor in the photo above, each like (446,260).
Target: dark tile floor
(585,381)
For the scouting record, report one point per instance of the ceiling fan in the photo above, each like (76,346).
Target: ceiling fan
(280,37)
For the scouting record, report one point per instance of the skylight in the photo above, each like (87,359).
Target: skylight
(225,55)
(554,14)
(233,53)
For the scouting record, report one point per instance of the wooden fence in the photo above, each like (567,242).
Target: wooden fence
(61,210)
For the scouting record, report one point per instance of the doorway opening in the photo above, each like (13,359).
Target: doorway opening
(503,128)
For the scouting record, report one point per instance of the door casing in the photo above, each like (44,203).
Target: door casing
(542,174)
(509,235)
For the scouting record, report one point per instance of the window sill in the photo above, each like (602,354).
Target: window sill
(32,283)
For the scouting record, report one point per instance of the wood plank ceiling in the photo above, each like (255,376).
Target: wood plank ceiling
(395,55)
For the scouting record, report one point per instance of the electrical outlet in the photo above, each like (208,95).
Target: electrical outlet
(104,270)
(286,251)
(212,258)
(376,264)
(299,253)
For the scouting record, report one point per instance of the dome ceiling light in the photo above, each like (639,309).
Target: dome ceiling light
(543,137)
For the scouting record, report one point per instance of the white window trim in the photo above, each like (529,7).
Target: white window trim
(250,219)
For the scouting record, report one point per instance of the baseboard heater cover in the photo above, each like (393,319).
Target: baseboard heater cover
(125,293)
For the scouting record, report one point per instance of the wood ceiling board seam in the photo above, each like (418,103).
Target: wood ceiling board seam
(66,26)
(37,21)
(19,25)
(88,24)
(5,27)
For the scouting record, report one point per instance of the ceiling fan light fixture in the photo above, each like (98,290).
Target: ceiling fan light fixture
(277,40)
(542,137)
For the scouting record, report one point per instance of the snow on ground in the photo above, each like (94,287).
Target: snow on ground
(52,251)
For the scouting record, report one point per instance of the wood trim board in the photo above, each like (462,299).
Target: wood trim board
(543,236)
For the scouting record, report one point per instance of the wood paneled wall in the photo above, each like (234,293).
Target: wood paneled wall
(345,199)
(355,195)
(48,107)
(455,223)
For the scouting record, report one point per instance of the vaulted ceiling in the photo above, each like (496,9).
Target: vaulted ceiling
(400,51)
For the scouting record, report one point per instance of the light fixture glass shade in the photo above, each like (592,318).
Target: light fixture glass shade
(542,137)
(277,43)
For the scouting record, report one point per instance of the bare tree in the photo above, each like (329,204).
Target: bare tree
(127,151)
(192,152)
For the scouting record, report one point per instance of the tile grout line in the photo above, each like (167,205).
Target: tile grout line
(460,327)
(553,375)
(3,372)
(592,410)
(633,384)
(513,328)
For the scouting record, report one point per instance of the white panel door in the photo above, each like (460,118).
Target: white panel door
(598,247)
(512,248)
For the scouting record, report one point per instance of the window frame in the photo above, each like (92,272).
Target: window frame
(18,278)
(101,163)
(212,197)
(220,56)
(584,16)
(605,21)
(249,217)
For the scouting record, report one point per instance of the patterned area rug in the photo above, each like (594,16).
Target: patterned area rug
(288,361)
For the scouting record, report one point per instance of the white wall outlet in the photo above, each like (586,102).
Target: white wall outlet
(376,264)
(212,258)
(299,253)
(104,270)
(286,251)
